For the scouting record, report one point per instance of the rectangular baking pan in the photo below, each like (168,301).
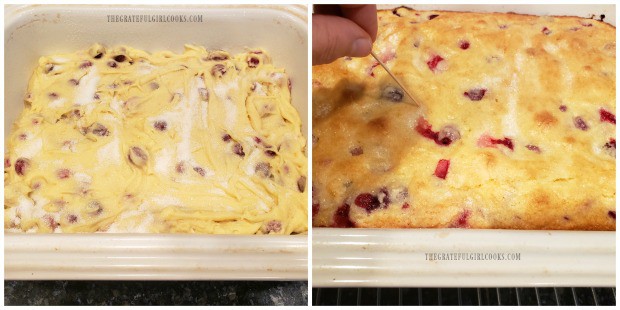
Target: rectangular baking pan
(32,31)
(401,257)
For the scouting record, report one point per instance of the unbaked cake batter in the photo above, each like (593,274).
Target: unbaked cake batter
(120,140)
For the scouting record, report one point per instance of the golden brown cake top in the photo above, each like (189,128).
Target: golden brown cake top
(517,129)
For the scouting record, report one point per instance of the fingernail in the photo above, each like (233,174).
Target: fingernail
(361,47)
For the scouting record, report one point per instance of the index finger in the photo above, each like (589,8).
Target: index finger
(364,15)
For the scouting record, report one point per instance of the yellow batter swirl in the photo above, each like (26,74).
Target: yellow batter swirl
(121,140)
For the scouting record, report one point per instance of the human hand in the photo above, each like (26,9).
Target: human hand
(342,30)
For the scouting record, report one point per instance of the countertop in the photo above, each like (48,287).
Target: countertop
(155,293)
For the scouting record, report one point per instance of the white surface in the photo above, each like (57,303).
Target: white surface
(154,257)
(396,258)
(32,31)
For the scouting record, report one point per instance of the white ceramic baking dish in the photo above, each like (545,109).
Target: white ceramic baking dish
(35,30)
(401,257)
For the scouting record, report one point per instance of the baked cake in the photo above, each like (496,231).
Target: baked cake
(517,128)
(120,140)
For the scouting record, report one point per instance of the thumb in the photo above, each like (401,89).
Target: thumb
(334,37)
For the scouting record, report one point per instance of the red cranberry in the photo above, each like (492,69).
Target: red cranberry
(315,208)
(563,108)
(607,116)
(393,94)
(405,205)
(226,137)
(301,184)
(180,167)
(546,31)
(217,56)
(356,151)
(7,163)
(253,62)
(270,153)
(238,149)
(112,64)
(72,218)
(387,56)
(506,142)
(258,140)
(463,44)
(263,169)
(374,65)
(160,125)
(433,62)
(85,64)
(367,201)
(612,214)
(462,220)
(218,70)
(442,168)
(137,156)
(610,147)
(200,171)
(580,123)
(611,143)
(119,58)
(63,173)
(272,226)
(475,94)
(22,165)
(51,222)
(533,148)
(425,129)
(73,113)
(341,217)
(447,135)
(99,130)
(48,68)
(488,141)
(95,208)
